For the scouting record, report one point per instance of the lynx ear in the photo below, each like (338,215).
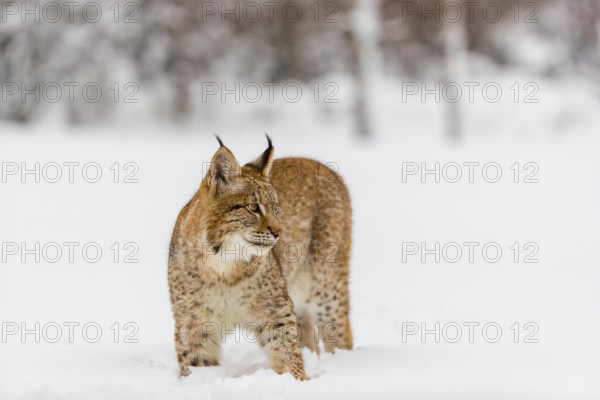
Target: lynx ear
(264,161)
(224,167)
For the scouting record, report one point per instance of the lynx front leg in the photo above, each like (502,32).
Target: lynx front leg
(197,344)
(281,340)
(273,310)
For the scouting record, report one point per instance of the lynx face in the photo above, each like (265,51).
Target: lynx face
(242,213)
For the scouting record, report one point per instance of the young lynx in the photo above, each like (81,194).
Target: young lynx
(264,247)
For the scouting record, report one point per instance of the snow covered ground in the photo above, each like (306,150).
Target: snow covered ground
(556,221)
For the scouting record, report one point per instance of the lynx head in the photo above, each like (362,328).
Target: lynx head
(241,213)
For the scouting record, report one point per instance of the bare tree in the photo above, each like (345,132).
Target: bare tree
(453,66)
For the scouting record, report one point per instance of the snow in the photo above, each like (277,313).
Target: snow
(559,293)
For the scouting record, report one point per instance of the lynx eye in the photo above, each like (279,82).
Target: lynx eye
(253,207)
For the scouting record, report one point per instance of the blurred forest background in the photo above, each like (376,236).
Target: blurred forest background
(168,48)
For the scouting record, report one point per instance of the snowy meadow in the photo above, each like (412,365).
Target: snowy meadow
(470,151)
(475,281)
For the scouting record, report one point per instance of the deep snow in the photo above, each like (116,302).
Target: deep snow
(559,294)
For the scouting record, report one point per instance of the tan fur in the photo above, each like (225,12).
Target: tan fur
(227,266)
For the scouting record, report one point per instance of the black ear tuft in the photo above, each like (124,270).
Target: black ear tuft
(268,154)
(220,141)
(263,162)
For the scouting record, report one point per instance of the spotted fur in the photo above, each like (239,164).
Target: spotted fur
(265,246)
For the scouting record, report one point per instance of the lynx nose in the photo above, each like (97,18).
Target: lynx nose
(276,233)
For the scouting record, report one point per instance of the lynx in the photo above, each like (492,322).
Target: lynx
(264,247)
